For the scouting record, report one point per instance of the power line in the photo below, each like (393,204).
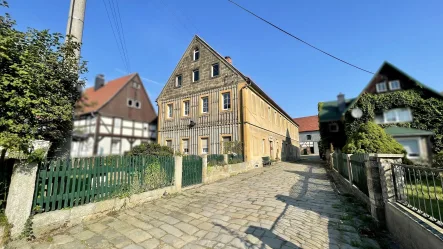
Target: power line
(178,12)
(293,36)
(118,20)
(115,38)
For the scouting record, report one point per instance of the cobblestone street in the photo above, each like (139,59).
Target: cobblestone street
(284,206)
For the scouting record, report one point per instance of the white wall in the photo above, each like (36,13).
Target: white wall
(82,149)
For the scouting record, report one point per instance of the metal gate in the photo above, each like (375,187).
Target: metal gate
(192,170)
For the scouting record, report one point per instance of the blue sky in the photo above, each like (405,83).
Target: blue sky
(406,33)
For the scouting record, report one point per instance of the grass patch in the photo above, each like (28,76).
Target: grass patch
(427,199)
(49,239)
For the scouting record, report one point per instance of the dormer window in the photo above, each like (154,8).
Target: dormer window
(381,87)
(196,54)
(178,81)
(394,85)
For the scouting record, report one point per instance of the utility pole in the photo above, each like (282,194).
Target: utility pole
(74,28)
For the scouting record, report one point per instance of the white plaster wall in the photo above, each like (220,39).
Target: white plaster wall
(127,123)
(82,149)
(104,147)
(106,120)
(127,131)
(126,146)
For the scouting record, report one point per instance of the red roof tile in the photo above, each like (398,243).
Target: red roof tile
(307,123)
(104,93)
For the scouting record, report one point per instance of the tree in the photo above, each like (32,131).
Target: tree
(371,138)
(39,77)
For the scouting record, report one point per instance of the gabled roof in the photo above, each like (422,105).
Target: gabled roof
(104,94)
(245,78)
(331,112)
(396,131)
(309,123)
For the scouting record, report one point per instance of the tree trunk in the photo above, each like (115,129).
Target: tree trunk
(3,155)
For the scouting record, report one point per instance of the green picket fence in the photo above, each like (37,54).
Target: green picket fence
(335,160)
(73,182)
(359,178)
(342,166)
(192,170)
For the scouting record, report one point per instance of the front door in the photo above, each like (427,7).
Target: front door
(271,150)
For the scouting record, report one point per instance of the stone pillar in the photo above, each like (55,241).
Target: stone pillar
(225,158)
(21,195)
(205,168)
(178,172)
(380,183)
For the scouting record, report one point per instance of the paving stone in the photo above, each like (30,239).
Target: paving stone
(62,239)
(86,234)
(72,245)
(121,241)
(97,227)
(110,233)
(189,229)
(157,232)
(138,235)
(171,230)
(173,240)
(132,246)
(150,243)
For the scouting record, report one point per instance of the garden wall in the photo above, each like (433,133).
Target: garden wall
(219,172)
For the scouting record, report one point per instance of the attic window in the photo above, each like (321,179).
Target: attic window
(381,87)
(135,85)
(333,127)
(178,81)
(138,104)
(215,70)
(130,102)
(394,85)
(196,54)
(195,75)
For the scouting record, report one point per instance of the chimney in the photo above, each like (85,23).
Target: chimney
(228,58)
(341,102)
(99,81)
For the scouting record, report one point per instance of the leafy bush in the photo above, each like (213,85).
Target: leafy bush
(371,138)
(437,161)
(151,149)
(155,176)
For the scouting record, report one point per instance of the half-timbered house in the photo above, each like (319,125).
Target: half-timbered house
(118,116)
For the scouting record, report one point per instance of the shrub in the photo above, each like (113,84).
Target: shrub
(151,149)
(437,161)
(371,138)
(155,176)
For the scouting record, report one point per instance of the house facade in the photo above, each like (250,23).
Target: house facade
(117,116)
(309,134)
(207,102)
(403,119)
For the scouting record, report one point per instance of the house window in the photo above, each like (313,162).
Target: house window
(186,108)
(333,127)
(170,110)
(178,81)
(196,54)
(195,75)
(138,104)
(169,143)
(381,87)
(117,122)
(205,104)
(394,85)
(130,102)
(204,145)
(226,101)
(411,146)
(397,115)
(215,70)
(308,137)
(135,85)
(185,146)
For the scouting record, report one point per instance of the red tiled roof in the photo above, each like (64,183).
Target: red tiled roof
(104,93)
(309,123)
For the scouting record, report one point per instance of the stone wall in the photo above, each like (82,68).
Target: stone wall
(215,173)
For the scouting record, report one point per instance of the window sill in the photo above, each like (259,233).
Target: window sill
(214,77)
(229,110)
(204,114)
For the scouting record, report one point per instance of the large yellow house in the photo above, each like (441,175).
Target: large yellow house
(207,102)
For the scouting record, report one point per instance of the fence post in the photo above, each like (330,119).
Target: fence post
(204,168)
(380,183)
(225,158)
(178,160)
(348,164)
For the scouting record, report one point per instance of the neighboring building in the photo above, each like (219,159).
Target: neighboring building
(207,101)
(397,121)
(120,115)
(309,134)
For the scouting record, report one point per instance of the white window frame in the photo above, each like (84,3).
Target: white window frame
(185,150)
(177,81)
(127,102)
(196,51)
(207,144)
(391,87)
(397,116)
(139,104)
(203,104)
(331,129)
(418,143)
(186,111)
(212,69)
(170,109)
(229,102)
(378,87)
(193,75)
(135,85)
